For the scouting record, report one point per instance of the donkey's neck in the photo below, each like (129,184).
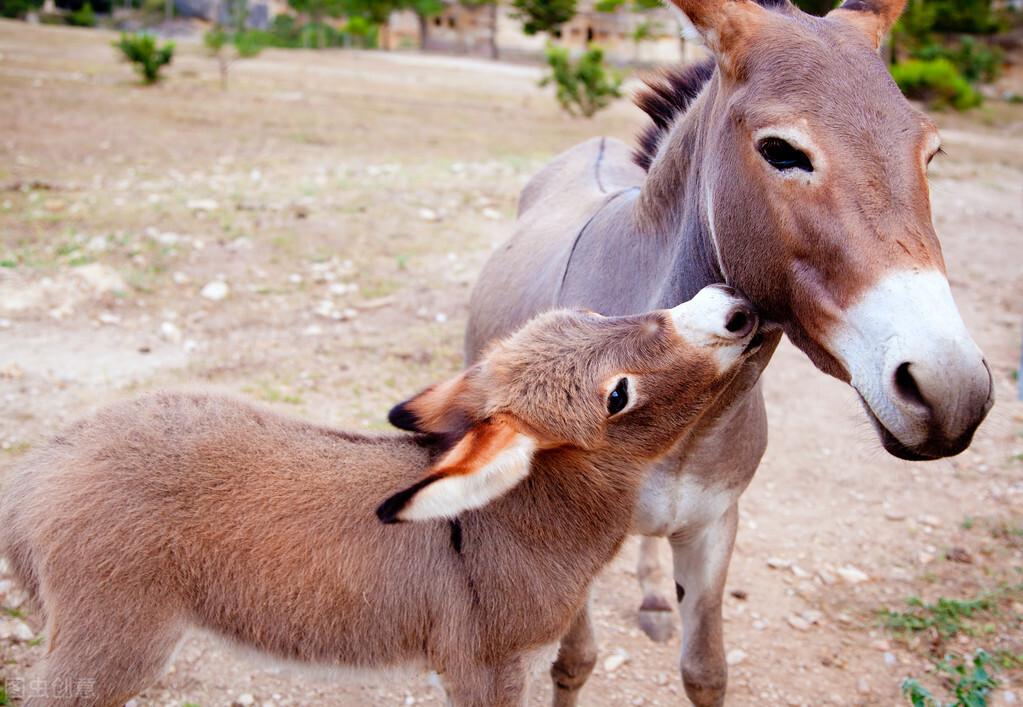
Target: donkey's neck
(674,204)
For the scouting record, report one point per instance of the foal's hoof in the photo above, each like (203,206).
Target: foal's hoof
(656,619)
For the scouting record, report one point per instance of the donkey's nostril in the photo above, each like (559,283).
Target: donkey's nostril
(738,321)
(906,386)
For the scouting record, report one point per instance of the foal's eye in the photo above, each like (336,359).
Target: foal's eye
(618,398)
(782,156)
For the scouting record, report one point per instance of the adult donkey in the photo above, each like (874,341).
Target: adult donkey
(791,168)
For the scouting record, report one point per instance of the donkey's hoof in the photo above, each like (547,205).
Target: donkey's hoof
(657,624)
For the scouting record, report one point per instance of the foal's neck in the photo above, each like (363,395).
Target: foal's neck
(674,201)
(570,512)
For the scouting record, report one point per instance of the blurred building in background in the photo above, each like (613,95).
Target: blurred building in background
(650,37)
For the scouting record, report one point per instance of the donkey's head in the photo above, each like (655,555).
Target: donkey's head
(814,187)
(624,387)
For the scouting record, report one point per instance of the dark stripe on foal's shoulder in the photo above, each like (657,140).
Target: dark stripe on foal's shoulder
(456,535)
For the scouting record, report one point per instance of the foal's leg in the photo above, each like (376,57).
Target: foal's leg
(102,658)
(656,616)
(576,658)
(501,685)
(701,567)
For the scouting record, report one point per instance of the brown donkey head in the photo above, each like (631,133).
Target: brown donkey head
(625,387)
(814,187)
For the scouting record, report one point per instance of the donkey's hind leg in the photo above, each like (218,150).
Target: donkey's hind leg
(656,617)
(95,661)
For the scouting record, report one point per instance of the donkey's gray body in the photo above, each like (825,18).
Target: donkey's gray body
(806,191)
(577,218)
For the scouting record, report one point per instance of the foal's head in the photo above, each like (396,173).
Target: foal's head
(814,186)
(625,388)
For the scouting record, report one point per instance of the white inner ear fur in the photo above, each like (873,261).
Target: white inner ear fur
(799,138)
(451,495)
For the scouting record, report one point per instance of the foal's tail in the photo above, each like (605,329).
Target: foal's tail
(15,539)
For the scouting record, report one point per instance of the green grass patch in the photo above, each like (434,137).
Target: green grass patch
(16,449)
(970,681)
(948,616)
(951,617)
(273,394)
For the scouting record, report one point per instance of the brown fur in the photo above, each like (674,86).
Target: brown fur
(180,509)
(604,228)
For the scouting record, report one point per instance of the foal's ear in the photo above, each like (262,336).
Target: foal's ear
(725,25)
(491,459)
(439,410)
(873,17)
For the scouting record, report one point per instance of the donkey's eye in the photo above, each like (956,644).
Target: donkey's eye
(618,398)
(782,156)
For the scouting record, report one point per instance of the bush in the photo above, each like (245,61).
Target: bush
(18,8)
(936,81)
(976,61)
(143,52)
(972,16)
(361,31)
(83,16)
(284,32)
(584,86)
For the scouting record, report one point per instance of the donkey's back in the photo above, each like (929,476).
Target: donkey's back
(525,277)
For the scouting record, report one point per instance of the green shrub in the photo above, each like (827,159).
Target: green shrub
(361,31)
(18,8)
(936,81)
(976,61)
(972,16)
(583,86)
(227,48)
(83,16)
(284,32)
(971,680)
(143,51)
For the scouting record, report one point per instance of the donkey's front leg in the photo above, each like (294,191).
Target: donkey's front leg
(701,567)
(576,658)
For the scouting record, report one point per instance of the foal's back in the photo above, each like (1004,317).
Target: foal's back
(230,516)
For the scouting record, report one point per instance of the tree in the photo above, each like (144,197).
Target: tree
(492,30)
(424,10)
(583,86)
(18,8)
(964,16)
(228,48)
(318,11)
(543,15)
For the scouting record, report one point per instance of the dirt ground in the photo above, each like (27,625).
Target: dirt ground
(309,238)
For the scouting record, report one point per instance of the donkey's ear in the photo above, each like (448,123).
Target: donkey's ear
(488,461)
(873,17)
(440,409)
(725,25)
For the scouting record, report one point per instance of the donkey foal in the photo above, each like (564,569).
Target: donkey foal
(175,510)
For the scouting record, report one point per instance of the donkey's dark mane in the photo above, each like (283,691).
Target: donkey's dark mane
(668,93)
